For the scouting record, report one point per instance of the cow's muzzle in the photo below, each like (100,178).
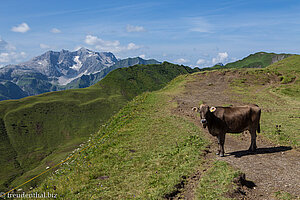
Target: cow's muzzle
(204,122)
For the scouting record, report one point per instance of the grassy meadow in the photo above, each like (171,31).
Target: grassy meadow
(145,151)
(278,98)
(39,131)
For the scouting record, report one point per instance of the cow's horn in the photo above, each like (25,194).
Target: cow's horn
(212,109)
(195,109)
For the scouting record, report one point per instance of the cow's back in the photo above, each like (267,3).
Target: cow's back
(237,119)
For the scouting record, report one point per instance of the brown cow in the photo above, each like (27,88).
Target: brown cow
(222,120)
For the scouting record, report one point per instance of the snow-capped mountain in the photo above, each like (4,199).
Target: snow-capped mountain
(64,66)
(53,70)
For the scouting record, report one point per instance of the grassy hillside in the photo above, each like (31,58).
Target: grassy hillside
(39,131)
(277,90)
(147,151)
(256,60)
(220,176)
(289,72)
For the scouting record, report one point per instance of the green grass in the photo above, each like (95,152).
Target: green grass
(11,166)
(279,101)
(147,149)
(256,60)
(289,71)
(290,64)
(217,182)
(146,152)
(287,79)
(284,195)
(44,127)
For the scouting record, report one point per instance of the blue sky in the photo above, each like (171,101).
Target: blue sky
(195,33)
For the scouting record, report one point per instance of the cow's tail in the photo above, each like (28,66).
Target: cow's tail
(258,127)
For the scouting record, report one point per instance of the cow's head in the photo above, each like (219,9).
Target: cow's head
(204,111)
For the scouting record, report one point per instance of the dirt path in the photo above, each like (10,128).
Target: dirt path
(272,168)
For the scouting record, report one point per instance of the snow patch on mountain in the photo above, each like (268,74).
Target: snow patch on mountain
(78,64)
(63,80)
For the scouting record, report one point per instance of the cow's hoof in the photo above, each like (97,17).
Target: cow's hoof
(221,155)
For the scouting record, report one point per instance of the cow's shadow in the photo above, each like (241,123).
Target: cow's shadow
(265,150)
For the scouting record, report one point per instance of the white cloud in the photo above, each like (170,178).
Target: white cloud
(21,28)
(221,58)
(131,28)
(94,40)
(132,46)
(8,54)
(44,46)
(106,45)
(5,46)
(4,57)
(142,56)
(181,60)
(8,57)
(55,30)
(201,61)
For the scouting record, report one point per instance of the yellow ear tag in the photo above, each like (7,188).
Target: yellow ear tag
(212,109)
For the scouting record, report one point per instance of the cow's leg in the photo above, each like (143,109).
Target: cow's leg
(219,150)
(221,141)
(253,146)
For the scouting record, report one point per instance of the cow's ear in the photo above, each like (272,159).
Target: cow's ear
(195,109)
(212,109)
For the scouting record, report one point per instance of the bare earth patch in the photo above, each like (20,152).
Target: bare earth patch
(272,168)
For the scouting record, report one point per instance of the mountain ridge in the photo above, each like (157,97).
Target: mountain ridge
(255,60)
(55,70)
(88,80)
